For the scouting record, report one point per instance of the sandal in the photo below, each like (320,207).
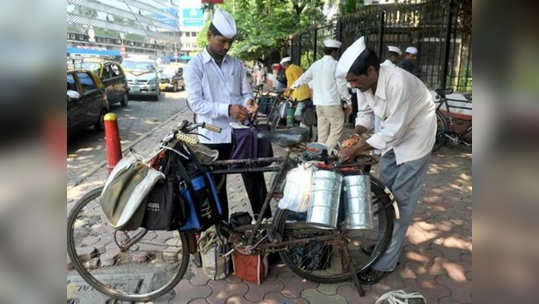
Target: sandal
(401,297)
(371,276)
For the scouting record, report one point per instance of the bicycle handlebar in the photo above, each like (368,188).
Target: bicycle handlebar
(210,127)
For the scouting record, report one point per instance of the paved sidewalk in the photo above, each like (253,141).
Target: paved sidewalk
(437,260)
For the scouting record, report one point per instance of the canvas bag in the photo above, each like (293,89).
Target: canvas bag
(213,247)
(123,197)
(252,268)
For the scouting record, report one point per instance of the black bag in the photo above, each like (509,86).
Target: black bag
(265,104)
(164,208)
(238,219)
(309,116)
(198,190)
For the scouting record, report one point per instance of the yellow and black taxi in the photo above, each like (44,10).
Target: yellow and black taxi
(113,78)
(171,78)
(86,101)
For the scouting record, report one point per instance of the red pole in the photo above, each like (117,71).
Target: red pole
(112,141)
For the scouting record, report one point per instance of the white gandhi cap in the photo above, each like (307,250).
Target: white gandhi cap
(411,50)
(394,49)
(332,43)
(285,59)
(224,23)
(349,56)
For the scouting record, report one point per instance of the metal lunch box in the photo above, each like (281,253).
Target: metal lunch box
(357,199)
(325,198)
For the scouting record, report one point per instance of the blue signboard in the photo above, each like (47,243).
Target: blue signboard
(192,17)
(168,20)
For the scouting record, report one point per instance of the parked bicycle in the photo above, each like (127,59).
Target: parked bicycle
(142,265)
(447,131)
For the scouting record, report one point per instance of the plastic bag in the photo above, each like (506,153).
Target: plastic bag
(297,189)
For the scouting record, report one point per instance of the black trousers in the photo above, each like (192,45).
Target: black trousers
(254,184)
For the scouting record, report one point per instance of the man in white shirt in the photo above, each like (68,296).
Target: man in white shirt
(393,56)
(406,136)
(327,94)
(218,91)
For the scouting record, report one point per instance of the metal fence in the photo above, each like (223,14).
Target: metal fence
(426,25)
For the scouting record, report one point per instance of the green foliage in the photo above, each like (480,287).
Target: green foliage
(264,26)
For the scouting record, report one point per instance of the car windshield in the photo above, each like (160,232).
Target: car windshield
(138,65)
(168,71)
(92,66)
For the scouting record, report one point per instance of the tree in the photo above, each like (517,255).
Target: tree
(264,26)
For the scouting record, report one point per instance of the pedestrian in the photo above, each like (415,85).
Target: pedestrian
(281,78)
(393,56)
(293,72)
(408,63)
(219,93)
(328,91)
(406,109)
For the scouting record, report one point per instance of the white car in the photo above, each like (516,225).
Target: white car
(142,77)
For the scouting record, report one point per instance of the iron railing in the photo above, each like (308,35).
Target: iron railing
(426,25)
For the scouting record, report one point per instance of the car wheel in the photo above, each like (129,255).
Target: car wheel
(125,100)
(156,97)
(100,124)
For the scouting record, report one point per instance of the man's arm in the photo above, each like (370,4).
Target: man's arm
(365,115)
(303,79)
(195,94)
(396,121)
(246,89)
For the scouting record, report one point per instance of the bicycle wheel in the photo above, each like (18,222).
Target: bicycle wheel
(441,131)
(148,269)
(320,257)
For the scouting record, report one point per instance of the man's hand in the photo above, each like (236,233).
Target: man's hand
(354,150)
(360,130)
(238,112)
(252,106)
(349,109)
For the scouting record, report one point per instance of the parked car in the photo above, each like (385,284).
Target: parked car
(86,101)
(142,77)
(170,78)
(113,78)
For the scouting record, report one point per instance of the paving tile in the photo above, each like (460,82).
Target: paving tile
(198,278)
(221,290)
(198,301)
(238,300)
(294,285)
(315,297)
(256,292)
(328,289)
(278,298)
(350,293)
(431,290)
(460,291)
(186,292)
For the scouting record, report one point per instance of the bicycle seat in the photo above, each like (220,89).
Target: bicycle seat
(443,92)
(287,137)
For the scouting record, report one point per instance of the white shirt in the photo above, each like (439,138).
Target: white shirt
(388,63)
(327,90)
(406,111)
(211,89)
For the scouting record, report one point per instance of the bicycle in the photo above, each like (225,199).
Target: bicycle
(446,130)
(142,265)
